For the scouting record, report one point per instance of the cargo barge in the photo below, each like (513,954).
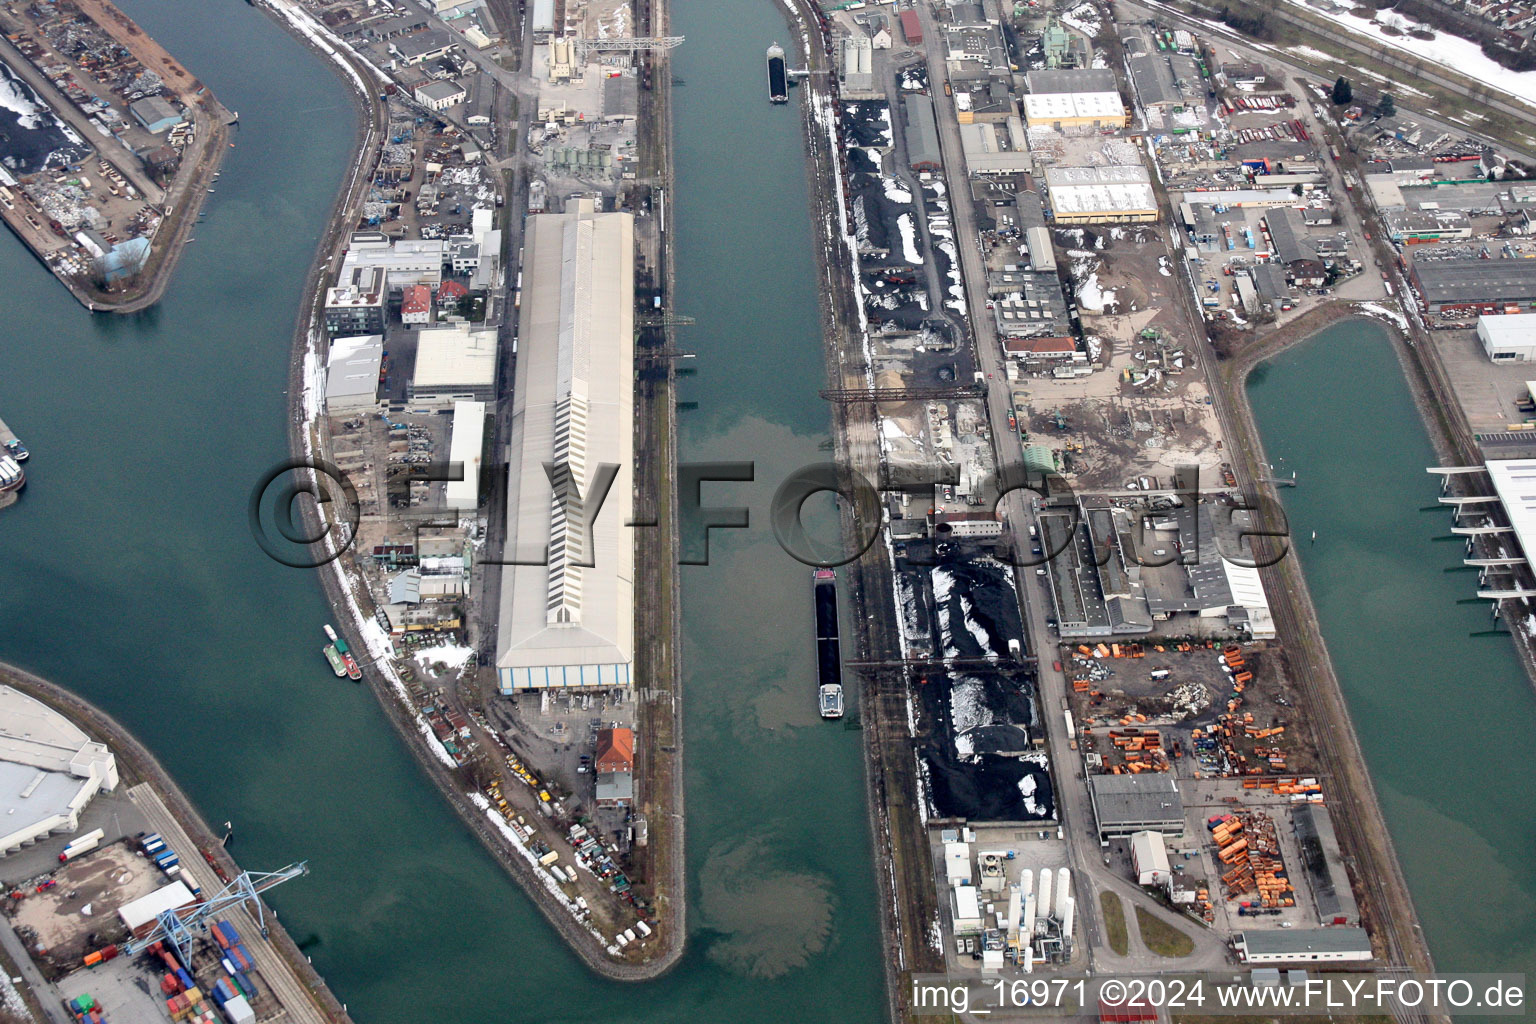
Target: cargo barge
(829,659)
(778,77)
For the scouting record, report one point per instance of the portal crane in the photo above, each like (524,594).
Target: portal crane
(587,46)
(178,926)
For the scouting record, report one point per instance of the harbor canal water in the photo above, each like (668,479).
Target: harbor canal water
(128,572)
(1444,717)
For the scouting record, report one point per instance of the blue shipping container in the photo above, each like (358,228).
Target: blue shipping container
(154,847)
(230,933)
(246,987)
(185,978)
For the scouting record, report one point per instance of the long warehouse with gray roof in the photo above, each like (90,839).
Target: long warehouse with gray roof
(568,619)
(1487,286)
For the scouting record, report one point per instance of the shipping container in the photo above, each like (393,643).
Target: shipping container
(239,1011)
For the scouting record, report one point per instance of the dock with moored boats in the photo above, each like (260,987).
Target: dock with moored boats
(12,476)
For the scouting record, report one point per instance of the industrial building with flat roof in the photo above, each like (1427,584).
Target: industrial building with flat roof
(155,113)
(1304,946)
(1324,865)
(440,95)
(1068,80)
(1149,855)
(1127,804)
(352,374)
(569,622)
(1204,580)
(921,133)
(454,362)
(1101,194)
(465,447)
(995,148)
(49,771)
(1514,481)
(1075,110)
(406,262)
(1510,338)
(1475,285)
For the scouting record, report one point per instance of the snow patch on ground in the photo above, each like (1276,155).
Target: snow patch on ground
(909,240)
(314,379)
(1027,787)
(1092,297)
(968,711)
(452,655)
(29,115)
(1385,312)
(1307,51)
(1084,18)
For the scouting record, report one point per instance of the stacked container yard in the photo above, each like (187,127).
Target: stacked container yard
(184,1000)
(237,964)
(86,1010)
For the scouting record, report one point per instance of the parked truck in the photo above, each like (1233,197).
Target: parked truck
(82,844)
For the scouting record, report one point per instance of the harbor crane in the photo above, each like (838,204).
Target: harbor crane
(178,926)
(584,47)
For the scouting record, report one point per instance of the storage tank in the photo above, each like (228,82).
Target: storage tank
(1026,919)
(850,56)
(1066,919)
(1063,892)
(866,55)
(1045,905)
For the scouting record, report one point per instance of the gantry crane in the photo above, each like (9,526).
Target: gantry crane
(179,926)
(589,46)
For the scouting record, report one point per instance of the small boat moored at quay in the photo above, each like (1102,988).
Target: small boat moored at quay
(339,647)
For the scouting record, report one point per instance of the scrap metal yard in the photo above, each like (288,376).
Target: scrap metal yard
(109,149)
